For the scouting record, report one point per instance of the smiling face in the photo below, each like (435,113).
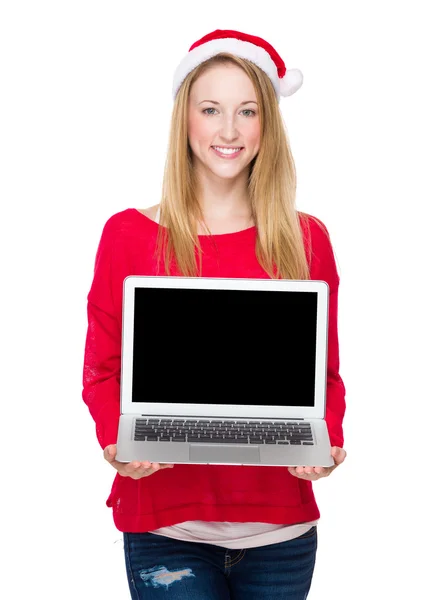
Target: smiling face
(223,112)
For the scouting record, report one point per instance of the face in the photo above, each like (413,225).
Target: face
(223,112)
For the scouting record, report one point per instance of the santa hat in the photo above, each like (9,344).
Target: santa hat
(285,82)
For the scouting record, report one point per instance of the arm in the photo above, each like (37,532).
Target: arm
(335,390)
(325,270)
(102,361)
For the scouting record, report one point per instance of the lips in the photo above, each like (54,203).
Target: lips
(227,156)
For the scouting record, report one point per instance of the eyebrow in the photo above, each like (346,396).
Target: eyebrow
(242,103)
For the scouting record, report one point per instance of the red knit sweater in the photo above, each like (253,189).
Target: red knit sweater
(194,492)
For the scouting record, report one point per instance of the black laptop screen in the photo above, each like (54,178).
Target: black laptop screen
(217,346)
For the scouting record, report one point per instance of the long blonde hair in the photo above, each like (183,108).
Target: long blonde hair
(271,188)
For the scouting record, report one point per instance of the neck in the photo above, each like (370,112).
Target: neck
(224,199)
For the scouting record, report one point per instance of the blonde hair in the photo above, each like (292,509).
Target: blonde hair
(271,188)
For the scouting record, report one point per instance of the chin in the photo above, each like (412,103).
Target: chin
(228,176)
(230,172)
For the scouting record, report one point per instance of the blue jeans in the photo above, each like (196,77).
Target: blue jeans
(162,567)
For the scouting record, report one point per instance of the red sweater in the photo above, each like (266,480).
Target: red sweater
(194,492)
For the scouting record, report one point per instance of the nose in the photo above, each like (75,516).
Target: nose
(229,131)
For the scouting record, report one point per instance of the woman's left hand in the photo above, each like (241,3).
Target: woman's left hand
(314,473)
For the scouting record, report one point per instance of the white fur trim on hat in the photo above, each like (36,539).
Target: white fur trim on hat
(291,82)
(240,48)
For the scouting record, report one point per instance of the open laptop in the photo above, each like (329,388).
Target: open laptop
(224,371)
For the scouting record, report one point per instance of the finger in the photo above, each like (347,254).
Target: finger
(339,458)
(156,467)
(306,472)
(338,454)
(110,453)
(152,469)
(141,472)
(136,467)
(308,476)
(293,471)
(146,471)
(149,467)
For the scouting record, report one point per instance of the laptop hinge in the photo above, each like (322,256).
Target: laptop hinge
(226,417)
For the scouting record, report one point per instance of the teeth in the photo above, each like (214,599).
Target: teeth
(227,150)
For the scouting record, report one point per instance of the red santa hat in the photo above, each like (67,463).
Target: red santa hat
(285,82)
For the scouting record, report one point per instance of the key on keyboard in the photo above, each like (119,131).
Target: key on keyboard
(223,432)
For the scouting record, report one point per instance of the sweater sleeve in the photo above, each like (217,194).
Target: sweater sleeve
(102,361)
(335,389)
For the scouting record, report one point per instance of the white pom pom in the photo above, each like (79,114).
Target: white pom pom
(291,82)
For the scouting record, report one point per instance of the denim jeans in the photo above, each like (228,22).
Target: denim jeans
(162,567)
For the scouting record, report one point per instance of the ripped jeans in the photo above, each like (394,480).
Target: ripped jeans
(161,567)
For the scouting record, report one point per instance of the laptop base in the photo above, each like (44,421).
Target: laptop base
(317,455)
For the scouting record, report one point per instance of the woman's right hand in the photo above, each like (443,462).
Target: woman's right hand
(134,469)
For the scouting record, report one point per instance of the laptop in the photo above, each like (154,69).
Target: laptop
(224,371)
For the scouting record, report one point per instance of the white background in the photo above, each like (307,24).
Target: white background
(85,108)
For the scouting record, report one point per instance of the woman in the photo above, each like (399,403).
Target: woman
(227,210)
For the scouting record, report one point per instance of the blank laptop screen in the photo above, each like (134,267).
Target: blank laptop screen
(217,346)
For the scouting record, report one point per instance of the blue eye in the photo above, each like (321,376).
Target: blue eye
(245,110)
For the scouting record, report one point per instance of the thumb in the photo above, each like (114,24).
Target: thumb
(110,452)
(337,454)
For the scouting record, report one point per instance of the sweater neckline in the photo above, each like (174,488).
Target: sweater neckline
(233,236)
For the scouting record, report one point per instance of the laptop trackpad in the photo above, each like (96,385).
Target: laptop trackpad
(203,453)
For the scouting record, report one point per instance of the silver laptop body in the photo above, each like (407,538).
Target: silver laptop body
(224,371)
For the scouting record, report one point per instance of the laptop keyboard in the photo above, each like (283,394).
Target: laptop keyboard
(219,431)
